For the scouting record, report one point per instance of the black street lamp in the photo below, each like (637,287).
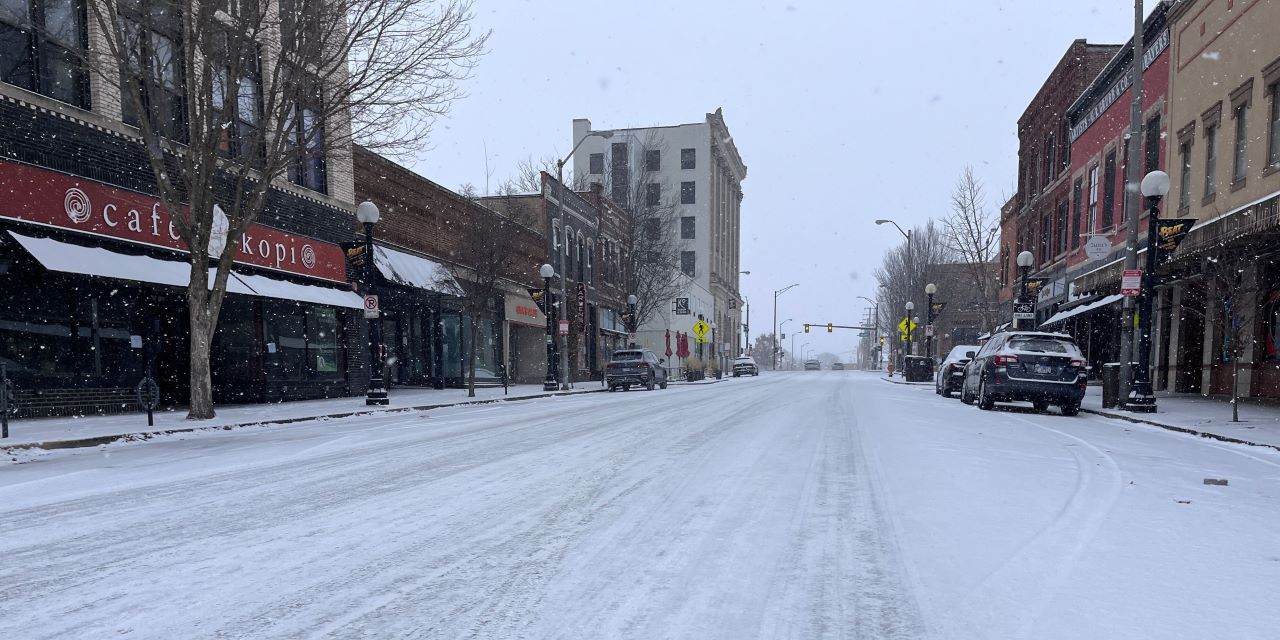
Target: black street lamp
(631,320)
(929,290)
(1025,260)
(367,213)
(907,351)
(549,383)
(1142,397)
(775,321)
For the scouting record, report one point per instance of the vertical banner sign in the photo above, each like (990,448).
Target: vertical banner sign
(1034,285)
(582,306)
(938,307)
(1172,233)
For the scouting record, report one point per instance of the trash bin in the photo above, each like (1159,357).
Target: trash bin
(1110,385)
(919,369)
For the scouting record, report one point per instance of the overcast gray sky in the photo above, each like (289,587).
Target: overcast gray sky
(843,111)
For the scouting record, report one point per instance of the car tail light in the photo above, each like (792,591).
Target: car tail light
(1004,361)
(1079,364)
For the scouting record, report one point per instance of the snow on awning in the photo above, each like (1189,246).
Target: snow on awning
(1084,308)
(285,290)
(414,271)
(65,257)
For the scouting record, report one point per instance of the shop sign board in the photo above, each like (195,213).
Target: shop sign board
(1131,282)
(58,200)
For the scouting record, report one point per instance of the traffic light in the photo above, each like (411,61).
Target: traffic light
(806,328)
(784,336)
(830,326)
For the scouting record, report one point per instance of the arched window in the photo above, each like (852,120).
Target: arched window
(555,244)
(591,261)
(581,257)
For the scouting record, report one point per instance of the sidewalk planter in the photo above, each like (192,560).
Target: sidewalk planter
(1110,385)
(918,369)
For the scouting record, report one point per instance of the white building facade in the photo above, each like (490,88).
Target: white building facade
(700,172)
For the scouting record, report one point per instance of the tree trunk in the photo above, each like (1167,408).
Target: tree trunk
(201,394)
(1235,388)
(471,361)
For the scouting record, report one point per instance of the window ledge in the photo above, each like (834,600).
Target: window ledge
(1208,200)
(1238,184)
(1271,170)
(1184,209)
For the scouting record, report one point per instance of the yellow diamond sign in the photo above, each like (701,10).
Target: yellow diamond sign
(701,329)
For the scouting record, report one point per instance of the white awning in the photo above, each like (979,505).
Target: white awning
(285,290)
(95,261)
(415,271)
(1084,308)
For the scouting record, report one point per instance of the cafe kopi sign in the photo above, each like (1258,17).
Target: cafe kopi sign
(53,199)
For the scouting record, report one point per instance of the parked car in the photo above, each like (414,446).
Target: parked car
(745,366)
(1041,368)
(635,366)
(812,365)
(950,375)
(837,366)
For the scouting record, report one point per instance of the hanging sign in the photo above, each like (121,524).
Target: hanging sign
(1097,248)
(1172,233)
(682,306)
(1131,282)
(937,308)
(1034,285)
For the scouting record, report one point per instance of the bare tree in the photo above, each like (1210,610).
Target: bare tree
(903,274)
(1233,301)
(490,250)
(971,234)
(651,251)
(764,350)
(232,97)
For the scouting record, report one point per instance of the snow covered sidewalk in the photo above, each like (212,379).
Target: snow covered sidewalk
(93,430)
(1208,417)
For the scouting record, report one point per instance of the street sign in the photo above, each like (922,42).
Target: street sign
(370,306)
(1131,282)
(564,327)
(906,326)
(1097,247)
(1024,311)
(863,334)
(702,328)
(928,331)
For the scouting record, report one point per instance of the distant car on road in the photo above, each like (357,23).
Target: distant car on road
(812,365)
(1042,368)
(950,376)
(745,366)
(635,366)
(837,366)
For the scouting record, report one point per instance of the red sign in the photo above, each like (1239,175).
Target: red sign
(582,306)
(1131,282)
(58,200)
(564,327)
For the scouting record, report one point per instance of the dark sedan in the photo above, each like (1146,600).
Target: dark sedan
(950,376)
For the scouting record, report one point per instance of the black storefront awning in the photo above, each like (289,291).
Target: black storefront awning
(1087,306)
(65,257)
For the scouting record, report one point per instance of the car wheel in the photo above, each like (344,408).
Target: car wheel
(663,385)
(648,386)
(612,388)
(985,401)
(626,387)
(1071,409)
(1041,406)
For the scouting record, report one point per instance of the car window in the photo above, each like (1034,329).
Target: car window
(628,356)
(1041,344)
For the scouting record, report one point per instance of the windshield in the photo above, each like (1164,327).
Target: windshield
(1041,345)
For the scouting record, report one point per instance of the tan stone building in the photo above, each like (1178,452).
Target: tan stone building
(1224,164)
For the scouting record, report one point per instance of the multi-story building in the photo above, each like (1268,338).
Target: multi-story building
(694,169)
(1098,126)
(1224,107)
(1041,219)
(93,273)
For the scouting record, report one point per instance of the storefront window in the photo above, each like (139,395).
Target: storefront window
(305,339)
(36,333)
(451,343)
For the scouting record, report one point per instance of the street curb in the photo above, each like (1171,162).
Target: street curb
(1186,430)
(137,436)
(904,382)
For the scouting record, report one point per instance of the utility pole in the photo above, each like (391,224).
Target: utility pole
(1132,200)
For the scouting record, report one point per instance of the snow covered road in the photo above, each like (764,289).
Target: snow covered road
(807,505)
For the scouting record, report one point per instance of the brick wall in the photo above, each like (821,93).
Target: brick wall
(422,216)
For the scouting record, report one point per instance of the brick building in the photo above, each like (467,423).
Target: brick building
(1040,220)
(422,268)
